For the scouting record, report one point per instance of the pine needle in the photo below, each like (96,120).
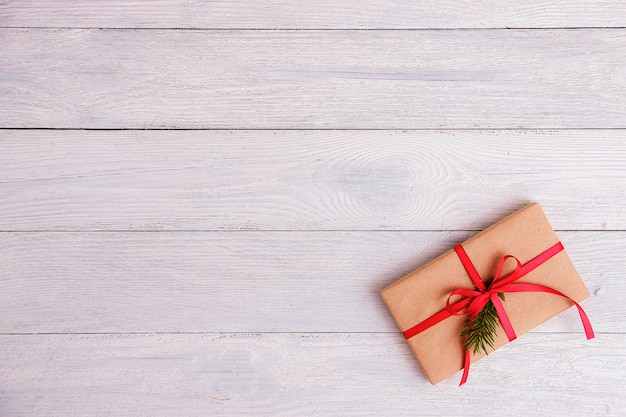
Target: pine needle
(481,330)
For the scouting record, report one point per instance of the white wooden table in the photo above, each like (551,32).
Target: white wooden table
(200,201)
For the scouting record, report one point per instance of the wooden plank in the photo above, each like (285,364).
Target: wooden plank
(308,180)
(313,79)
(248,281)
(315,374)
(321,14)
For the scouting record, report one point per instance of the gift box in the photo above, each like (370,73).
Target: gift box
(435,304)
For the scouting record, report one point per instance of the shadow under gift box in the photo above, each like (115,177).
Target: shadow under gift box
(424,292)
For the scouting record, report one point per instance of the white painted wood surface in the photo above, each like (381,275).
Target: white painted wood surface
(301,374)
(320,14)
(247,281)
(308,180)
(234,268)
(337,79)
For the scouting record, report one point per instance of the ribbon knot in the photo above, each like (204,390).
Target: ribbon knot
(473,301)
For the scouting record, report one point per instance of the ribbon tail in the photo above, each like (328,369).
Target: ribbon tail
(466,366)
(504,318)
(585,320)
(542,288)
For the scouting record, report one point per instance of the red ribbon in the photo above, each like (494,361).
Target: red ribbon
(475,300)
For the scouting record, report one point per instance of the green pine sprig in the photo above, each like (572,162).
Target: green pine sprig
(480,332)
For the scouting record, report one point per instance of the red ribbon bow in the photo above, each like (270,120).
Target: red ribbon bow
(474,301)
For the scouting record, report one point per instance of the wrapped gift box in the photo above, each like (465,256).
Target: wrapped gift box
(424,292)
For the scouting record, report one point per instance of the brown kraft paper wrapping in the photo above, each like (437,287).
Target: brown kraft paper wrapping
(422,293)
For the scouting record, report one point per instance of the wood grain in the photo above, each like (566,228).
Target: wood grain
(301,374)
(75,78)
(308,180)
(321,14)
(232,266)
(248,281)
